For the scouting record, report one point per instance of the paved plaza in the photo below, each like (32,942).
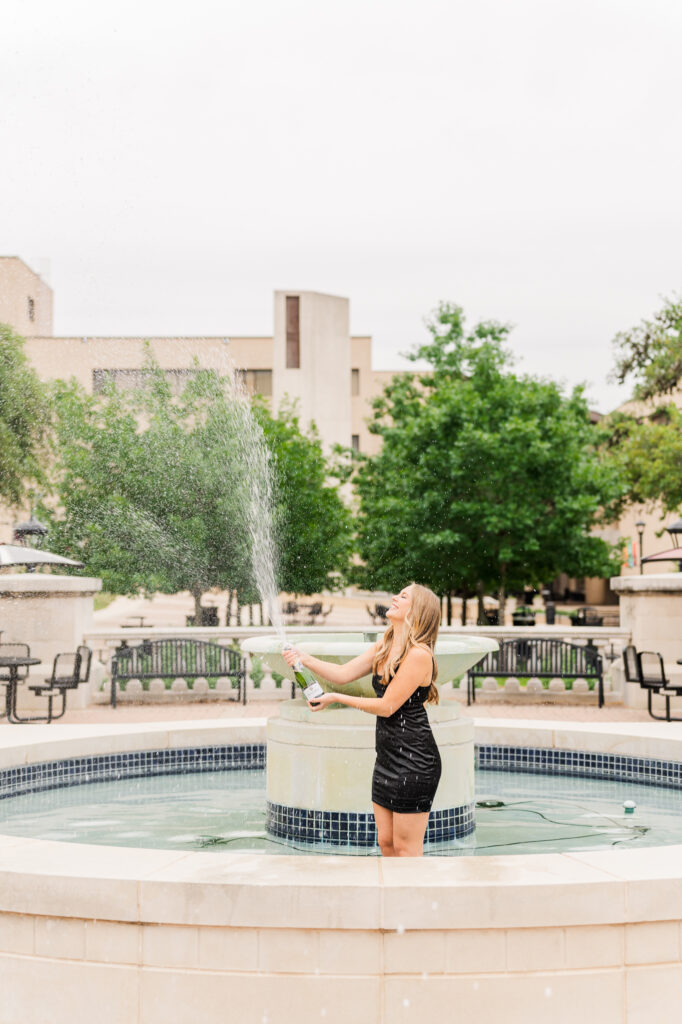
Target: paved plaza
(264,709)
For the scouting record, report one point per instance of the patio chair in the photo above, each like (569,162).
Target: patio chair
(378,615)
(68,672)
(647,669)
(86,663)
(314,611)
(291,611)
(587,617)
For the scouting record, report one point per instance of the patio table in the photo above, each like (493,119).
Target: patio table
(14,664)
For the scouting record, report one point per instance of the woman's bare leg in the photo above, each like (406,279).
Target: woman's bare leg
(408,834)
(384,820)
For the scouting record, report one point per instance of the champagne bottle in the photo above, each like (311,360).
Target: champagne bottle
(305,679)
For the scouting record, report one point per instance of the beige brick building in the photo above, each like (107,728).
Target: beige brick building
(311,356)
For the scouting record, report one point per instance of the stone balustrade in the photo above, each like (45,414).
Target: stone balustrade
(609,642)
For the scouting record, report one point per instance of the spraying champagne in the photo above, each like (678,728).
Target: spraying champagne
(305,679)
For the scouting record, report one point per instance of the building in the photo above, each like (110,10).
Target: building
(311,356)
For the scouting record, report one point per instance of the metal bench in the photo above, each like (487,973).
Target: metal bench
(647,669)
(177,659)
(543,659)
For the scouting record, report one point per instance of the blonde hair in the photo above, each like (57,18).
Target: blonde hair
(421,622)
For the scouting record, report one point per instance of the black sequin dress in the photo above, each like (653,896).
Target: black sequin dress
(408,766)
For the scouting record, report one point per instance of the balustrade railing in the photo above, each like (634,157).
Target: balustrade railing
(609,642)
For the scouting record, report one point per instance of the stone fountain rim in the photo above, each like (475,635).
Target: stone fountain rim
(239,889)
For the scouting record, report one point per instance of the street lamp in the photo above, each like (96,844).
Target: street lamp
(640,524)
(32,530)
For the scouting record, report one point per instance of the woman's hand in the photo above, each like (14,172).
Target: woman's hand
(292,654)
(324,701)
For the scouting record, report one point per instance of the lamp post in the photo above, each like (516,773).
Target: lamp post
(32,529)
(640,524)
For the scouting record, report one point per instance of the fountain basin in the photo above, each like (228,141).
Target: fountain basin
(454,654)
(158,937)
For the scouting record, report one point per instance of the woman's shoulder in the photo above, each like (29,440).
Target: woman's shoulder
(418,656)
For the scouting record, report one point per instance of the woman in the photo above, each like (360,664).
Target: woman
(407,768)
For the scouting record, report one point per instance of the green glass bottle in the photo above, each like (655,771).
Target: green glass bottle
(305,679)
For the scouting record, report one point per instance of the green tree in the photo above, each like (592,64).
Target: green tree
(647,442)
(23,419)
(313,526)
(153,489)
(486,480)
(651,353)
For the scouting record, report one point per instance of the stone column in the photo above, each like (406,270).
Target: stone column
(51,614)
(319,775)
(651,608)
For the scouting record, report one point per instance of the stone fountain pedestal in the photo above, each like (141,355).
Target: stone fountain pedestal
(319,775)
(319,768)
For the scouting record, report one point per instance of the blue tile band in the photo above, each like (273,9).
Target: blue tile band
(647,771)
(341,828)
(33,778)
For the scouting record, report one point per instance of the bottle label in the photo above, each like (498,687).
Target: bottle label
(313,692)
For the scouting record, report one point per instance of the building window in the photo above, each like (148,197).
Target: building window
(355,383)
(31,309)
(355,442)
(128,380)
(293,332)
(257,382)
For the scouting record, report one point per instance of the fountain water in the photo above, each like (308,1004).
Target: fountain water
(258,503)
(319,769)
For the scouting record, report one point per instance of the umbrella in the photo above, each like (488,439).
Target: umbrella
(16,554)
(672,555)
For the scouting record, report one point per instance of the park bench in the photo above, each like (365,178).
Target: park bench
(542,659)
(178,659)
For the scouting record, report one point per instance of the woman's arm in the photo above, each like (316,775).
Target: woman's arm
(339,675)
(407,679)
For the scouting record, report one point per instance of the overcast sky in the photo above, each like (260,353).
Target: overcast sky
(177,162)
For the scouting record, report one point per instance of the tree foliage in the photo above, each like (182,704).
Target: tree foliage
(647,443)
(23,419)
(651,353)
(649,453)
(153,490)
(313,526)
(486,480)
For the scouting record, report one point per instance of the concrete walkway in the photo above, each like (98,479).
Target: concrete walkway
(264,709)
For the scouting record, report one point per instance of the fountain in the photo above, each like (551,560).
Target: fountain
(160,936)
(319,764)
